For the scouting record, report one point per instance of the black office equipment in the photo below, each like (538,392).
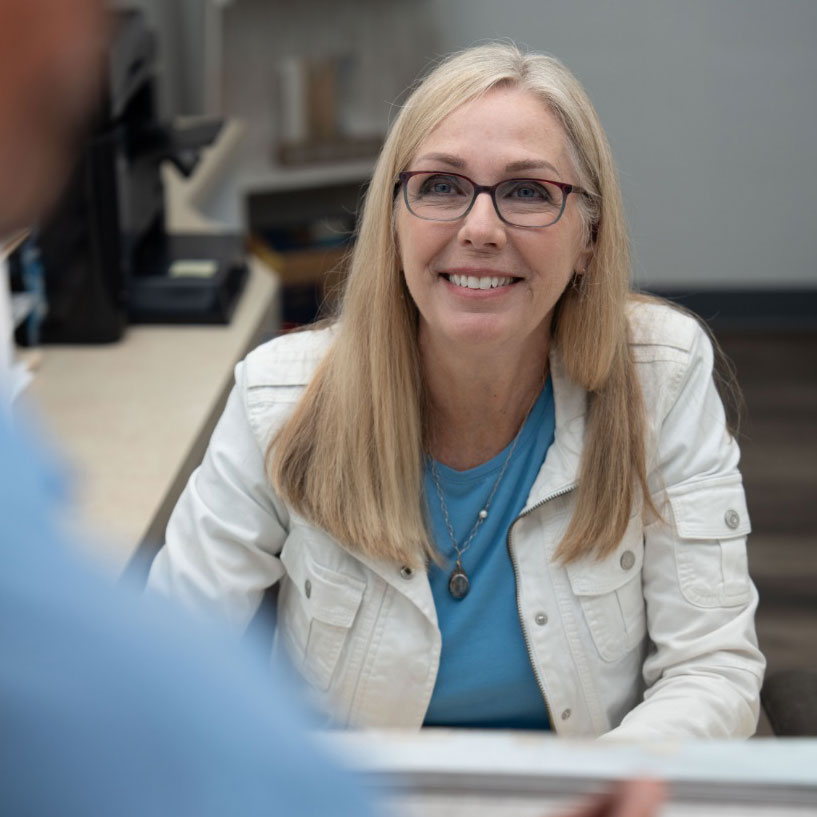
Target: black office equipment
(188,279)
(104,253)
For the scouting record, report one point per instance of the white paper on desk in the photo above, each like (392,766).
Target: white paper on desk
(6,325)
(13,378)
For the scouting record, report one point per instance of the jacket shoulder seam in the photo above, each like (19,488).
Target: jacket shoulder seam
(288,360)
(660,325)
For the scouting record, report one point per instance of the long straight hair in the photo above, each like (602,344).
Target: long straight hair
(350,457)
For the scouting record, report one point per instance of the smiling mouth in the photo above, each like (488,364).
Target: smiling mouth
(481,282)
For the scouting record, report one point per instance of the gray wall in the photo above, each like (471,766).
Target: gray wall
(711,109)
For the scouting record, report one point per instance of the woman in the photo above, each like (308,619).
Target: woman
(499,489)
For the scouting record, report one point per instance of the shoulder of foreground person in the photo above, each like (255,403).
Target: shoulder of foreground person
(117,704)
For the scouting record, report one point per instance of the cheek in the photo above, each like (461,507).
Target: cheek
(555,260)
(410,247)
(419,244)
(404,244)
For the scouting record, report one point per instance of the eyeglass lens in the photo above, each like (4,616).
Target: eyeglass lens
(522,202)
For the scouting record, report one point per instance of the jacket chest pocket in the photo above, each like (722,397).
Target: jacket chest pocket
(611,595)
(316,609)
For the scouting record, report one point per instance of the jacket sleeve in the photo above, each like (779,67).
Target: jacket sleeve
(223,537)
(704,670)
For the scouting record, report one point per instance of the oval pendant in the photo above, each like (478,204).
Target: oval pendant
(458,584)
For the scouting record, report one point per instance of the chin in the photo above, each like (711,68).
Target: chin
(480,330)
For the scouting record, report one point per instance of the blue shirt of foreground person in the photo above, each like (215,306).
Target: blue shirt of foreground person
(111,705)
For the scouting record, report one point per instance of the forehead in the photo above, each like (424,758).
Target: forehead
(502,127)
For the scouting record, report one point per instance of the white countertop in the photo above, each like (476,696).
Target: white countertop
(133,417)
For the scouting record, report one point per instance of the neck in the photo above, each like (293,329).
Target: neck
(479,400)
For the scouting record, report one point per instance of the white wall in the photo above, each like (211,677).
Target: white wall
(711,109)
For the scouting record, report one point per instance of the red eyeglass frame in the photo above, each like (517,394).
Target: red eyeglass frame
(567,189)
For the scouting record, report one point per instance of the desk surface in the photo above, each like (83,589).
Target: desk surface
(466,773)
(133,418)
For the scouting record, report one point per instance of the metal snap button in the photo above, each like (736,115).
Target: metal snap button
(406,572)
(732,519)
(308,588)
(627,559)
(541,619)
(566,714)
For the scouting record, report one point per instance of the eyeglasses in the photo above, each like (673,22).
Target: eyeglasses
(438,196)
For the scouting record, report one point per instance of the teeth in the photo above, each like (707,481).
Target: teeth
(472,282)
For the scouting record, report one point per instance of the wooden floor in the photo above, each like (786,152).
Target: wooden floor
(778,375)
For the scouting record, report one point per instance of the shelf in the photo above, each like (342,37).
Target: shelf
(245,43)
(214,198)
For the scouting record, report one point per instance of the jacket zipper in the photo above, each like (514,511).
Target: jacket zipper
(539,680)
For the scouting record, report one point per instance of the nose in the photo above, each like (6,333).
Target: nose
(482,227)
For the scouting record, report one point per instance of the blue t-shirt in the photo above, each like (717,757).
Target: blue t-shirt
(485,678)
(112,703)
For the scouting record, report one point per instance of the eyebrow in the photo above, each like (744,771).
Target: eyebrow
(512,167)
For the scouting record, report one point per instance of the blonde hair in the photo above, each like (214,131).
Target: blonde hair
(350,457)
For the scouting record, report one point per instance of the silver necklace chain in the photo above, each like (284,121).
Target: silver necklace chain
(483,514)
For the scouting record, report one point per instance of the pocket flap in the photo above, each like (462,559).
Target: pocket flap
(714,509)
(592,577)
(328,595)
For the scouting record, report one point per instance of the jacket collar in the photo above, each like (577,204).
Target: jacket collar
(560,470)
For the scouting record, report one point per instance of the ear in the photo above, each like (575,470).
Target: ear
(583,260)
(586,250)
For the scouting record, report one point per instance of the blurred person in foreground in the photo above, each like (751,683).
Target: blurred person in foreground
(112,703)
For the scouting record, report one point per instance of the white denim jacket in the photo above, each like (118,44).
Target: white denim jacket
(655,640)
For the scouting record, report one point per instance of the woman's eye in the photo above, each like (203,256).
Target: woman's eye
(440,186)
(528,191)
